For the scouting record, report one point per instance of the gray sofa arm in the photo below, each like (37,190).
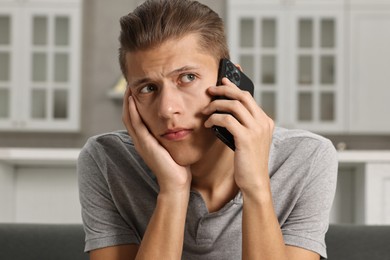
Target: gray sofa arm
(42,242)
(354,242)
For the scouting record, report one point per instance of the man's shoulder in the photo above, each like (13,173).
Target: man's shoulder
(116,143)
(120,136)
(300,145)
(113,152)
(283,137)
(298,155)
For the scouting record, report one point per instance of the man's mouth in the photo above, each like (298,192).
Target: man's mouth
(177,134)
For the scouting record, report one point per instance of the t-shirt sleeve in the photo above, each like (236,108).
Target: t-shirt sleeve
(103,224)
(308,222)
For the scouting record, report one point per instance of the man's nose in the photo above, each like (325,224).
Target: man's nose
(169,101)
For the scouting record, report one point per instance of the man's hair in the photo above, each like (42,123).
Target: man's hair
(156,21)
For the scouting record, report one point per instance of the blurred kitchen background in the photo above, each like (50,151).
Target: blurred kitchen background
(320,65)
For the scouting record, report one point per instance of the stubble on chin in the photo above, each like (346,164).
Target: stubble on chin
(192,153)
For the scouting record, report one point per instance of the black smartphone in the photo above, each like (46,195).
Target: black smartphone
(229,70)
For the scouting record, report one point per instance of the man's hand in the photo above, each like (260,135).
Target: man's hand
(171,176)
(172,201)
(252,130)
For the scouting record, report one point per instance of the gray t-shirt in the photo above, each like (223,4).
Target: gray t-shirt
(118,195)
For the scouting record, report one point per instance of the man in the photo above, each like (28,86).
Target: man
(168,188)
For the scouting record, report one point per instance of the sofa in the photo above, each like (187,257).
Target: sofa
(42,242)
(65,242)
(347,242)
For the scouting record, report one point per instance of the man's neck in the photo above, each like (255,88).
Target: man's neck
(213,176)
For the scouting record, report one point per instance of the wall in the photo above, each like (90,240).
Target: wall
(100,71)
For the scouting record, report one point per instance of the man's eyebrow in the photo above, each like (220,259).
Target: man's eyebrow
(182,69)
(142,81)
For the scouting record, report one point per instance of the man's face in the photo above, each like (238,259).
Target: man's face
(169,86)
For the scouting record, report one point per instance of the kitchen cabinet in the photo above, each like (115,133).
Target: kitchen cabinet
(39,65)
(369,63)
(362,195)
(319,65)
(40,186)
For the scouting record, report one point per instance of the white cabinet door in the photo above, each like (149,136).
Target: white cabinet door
(51,83)
(294,54)
(6,52)
(369,71)
(39,66)
(376,195)
(9,71)
(363,191)
(256,41)
(316,71)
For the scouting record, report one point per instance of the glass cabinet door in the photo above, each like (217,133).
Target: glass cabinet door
(52,83)
(258,52)
(39,65)
(316,81)
(49,67)
(293,52)
(7,78)
(5,65)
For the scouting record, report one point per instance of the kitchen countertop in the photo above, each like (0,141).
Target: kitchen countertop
(68,156)
(39,156)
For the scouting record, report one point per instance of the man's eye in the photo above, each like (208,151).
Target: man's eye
(147,89)
(188,78)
